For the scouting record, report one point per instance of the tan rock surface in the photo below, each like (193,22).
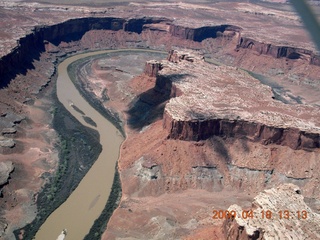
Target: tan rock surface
(6,142)
(219,100)
(274,43)
(277,213)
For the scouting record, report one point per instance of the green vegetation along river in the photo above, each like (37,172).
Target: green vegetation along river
(85,204)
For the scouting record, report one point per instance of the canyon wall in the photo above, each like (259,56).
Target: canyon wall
(253,151)
(201,33)
(20,59)
(279,51)
(202,129)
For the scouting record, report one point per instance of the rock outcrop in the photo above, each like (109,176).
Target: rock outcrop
(6,142)
(6,168)
(277,213)
(152,68)
(225,101)
(11,130)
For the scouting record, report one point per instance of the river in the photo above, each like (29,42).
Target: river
(87,201)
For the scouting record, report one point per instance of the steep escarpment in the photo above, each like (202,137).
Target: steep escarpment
(230,105)
(215,139)
(201,159)
(230,151)
(30,46)
(151,32)
(279,51)
(234,115)
(196,130)
(201,33)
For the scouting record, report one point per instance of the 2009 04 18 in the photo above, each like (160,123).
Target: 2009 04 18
(263,214)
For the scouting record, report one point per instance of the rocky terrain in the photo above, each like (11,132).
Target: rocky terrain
(200,136)
(230,105)
(220,150)
(279,213)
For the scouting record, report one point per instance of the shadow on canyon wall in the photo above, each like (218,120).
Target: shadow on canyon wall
(149,106)
(10,70)
(219,147)
(30,47)
(218,144)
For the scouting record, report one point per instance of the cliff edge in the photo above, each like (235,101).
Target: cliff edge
(208,100)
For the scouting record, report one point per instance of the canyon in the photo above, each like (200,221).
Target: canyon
(234,110)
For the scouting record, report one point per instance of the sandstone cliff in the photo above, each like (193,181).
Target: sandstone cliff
(33,43)
(152,68)
(156,162)
(201,33)
(232,104)
(222,135)
(279,51)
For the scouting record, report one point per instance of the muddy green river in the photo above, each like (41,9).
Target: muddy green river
(85,204)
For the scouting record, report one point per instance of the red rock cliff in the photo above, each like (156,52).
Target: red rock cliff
(228,102)
(279,51)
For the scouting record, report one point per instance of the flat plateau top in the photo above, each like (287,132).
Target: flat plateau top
(222,92)
(263,24)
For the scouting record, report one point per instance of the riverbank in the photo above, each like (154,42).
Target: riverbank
(100,224)
(85,204)
(74,68)
(95,103)
(91,98)
(79,147)
(46,201)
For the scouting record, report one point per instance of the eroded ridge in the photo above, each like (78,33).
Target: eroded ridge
(210,100)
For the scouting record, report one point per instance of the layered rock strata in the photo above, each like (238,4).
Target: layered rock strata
(156,165)
(71,25)
(28,55)
(152,68)
(277,213)
(279,51)
(226,101)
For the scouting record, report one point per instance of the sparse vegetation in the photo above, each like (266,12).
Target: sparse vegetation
(79,146)
(100,224)
(89,121)
(56,183)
